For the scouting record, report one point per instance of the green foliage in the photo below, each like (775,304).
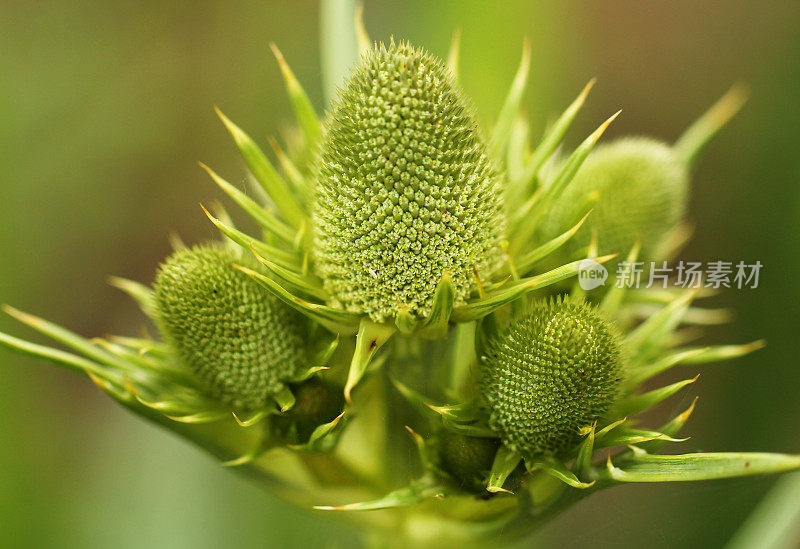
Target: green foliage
(241,343)
(406,191)
(553,371)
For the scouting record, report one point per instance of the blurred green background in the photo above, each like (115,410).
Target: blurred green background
(105,108)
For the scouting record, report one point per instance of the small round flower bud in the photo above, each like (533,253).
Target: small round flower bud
(240,342)
(317,402)
(406,191)
(555,370)
(643,193)
(467,459)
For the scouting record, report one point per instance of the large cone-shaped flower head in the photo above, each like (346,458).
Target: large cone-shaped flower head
(240,342)
(555,370)
(406,191)
(642,191)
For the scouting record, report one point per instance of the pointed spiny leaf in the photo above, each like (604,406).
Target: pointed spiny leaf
(454,53)
(636,403)
(282,258)
(264,172)
(258,213)
(705,466)
(527,260)
(304,284)
(696,137)
(301,104)
(524,185)
(510,109)
(138,292)
(435,326)
(615,295)
(558,470)
(549,194)
(479,308)
(670,428)
(504,464)
(335,320)
(370,338)
(719,353)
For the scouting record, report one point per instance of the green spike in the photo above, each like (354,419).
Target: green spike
(624,436)
(504,464)
(284,259)
(370,338)
(335,320)
(583,463)
(70,339)
(654,329)
(670,429)
(362,37)
(690,145)
(719,353)
(481,307)
(524,184)
(289,168)
(258,213)
(404,497)
(549,194)
(284,399)
(525,263)
(253,418)
(321,435)
(636,403)
(301,104)
(510,109)
(702,466)
(558,470)
(454,53)
(301,283)
(614,296)
(435,326)
(138,292)
(62,358)
(200,417)
(262,169)
(639,374)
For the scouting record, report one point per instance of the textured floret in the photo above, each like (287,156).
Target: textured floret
(555,370)
(405,190)
(643,191)
(240,342)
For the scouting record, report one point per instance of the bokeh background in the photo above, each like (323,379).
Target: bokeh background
(105,108)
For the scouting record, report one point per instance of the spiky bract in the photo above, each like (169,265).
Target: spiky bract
(240,342)
(642,191)
(406,191)
(553,371)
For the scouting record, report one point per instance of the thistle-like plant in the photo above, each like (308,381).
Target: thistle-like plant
(398,248)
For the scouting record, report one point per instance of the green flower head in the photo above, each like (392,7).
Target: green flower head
(240,342)
(555,370)
(640,187)
(406,192)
